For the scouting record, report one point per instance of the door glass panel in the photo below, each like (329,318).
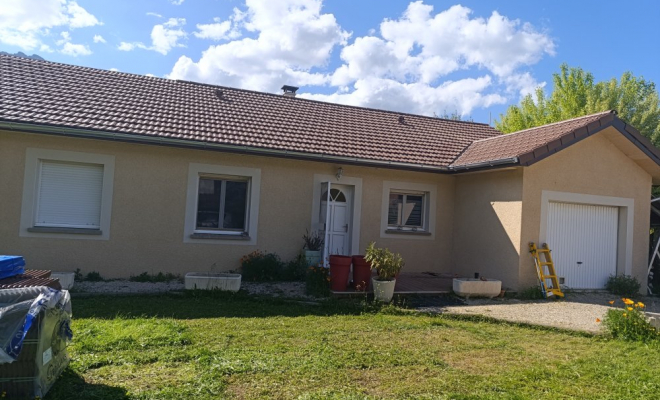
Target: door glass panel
(413,215)
(396,200)
(235,205)
(208,203)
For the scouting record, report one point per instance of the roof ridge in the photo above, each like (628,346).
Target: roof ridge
(546,125)
(23,59)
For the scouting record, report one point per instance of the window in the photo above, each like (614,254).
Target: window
(67,194)
(222,204)
(406,210)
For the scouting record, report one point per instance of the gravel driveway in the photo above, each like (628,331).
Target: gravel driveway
(578,311)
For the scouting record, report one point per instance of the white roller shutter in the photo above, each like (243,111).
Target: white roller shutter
(69,195)
(583,240)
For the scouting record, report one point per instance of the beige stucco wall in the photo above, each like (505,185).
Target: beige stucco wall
(487,229)
(149,202)
(594,166)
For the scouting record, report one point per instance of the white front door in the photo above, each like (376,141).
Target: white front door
(337,214)
(583,241)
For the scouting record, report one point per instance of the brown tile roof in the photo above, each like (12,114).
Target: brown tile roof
(52,94)
(532,144)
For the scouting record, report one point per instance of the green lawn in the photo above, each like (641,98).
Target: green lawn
(192,347)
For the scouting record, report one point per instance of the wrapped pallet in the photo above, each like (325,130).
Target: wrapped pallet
(34,330)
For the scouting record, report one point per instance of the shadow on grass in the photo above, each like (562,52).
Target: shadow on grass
(195,305)
(71,386)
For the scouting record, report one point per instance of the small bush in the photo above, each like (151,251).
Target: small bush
(531,293)
(261,267)
(159,277)
(295,269)
(317,281)
(623,285)
(94,277)
(630,323)
(78,275)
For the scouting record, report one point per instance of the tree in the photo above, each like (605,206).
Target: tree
(576,94)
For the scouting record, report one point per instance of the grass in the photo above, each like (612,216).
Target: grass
(232,346)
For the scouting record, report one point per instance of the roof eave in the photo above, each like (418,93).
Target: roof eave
(200,145)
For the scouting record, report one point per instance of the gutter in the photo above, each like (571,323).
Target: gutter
(485,164)
(163,141)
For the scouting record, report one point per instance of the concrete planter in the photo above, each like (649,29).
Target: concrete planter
(654,319)
(313,257)
(466,287)
(66,279)
(383,290)
(210,281)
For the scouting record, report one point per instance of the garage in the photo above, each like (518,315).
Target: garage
(583,240)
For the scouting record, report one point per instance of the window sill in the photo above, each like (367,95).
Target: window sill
(406,232)
(219,236)
(75,231)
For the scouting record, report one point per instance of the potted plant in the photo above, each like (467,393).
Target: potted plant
(340,268)
(361,273)
(387,265)
(312,247)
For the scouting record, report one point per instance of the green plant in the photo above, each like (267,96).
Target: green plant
(78,275)
(317,281)
(261,267)
(94,277)
(295,269)
(531,293)
(386,263)
(623,285)
(159,277)
(313,241)
(630,323)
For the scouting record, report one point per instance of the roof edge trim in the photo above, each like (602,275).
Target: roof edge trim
(198,145)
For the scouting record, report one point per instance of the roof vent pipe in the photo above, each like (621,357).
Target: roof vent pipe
(289,91)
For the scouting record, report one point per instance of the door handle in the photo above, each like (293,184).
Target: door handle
(346,228)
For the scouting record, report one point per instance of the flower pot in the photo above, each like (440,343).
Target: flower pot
(313,257)
(383,290)
(361,273)
(340,268)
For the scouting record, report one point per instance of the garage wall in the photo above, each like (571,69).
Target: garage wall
(593,166)
(149,202)
(487,225)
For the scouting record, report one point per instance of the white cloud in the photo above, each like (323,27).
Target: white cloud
(71,49)
(24,23)
(114,69)
(177,2)
(75,50)
(153,14)
(219,30)
(406,64)
(291,38)
(99,39)
(164,37)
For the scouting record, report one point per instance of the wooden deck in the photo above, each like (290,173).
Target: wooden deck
(421,283)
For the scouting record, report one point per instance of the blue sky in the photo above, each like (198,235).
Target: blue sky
(474,57)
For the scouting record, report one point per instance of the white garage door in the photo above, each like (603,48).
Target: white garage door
(583,240)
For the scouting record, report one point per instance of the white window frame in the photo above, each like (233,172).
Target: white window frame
(429,191)
(219,236)
(33,160)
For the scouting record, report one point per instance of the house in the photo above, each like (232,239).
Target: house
(119,173)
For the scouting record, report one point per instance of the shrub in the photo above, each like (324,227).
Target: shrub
(630,323)
(94,277)
(295,269)
(159,277)
(623,285)
(531,293)
(386,263)
(261,267)
(78,275)
(317,281)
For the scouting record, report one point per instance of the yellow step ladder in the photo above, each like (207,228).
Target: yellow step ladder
(553,289)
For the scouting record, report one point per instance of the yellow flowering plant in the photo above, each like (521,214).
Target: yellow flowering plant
(629,322)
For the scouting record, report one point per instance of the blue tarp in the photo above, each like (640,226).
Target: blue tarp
(11,265)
